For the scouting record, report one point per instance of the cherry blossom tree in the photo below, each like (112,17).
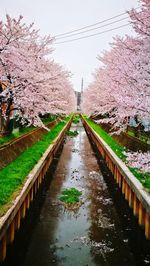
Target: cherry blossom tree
(121,84)
(141,19)
(34,82)
(139,160)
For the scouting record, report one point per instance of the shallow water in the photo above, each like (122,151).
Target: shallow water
(101,232)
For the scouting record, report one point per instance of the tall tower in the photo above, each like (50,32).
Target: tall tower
(79,96)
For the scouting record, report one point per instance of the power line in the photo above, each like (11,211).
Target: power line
(99,33)
(94,34)
(91,25)
(105,25)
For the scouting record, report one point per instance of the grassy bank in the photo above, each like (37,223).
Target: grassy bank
(108,139)
(142,138)
(13,176)
(6,139)
(25,130)
(144,178)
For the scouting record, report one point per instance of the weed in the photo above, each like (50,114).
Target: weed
(70,196)
(72,133)
(76,119)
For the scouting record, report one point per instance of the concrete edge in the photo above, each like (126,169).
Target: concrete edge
(8,217)
(132,181)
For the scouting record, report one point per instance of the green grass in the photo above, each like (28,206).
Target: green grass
(14,175)
(70,195)
(144,178)
(130,133)
(71,133)
(48,119)
(108,139)
(6,139)
(76,119)
(144,138)
(141,137)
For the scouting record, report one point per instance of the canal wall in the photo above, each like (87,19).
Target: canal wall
(11,150)
(10,222)
(133,191)
(124,139)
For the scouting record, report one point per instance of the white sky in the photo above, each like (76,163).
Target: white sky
(58,16)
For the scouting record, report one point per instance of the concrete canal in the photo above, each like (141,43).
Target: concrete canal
(102,231)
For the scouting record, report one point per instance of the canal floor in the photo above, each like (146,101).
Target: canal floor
(93,234)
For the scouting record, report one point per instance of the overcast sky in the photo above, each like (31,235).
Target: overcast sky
(59,16)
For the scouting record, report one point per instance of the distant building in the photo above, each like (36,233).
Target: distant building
(78,97)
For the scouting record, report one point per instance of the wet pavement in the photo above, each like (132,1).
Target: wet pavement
(98,233)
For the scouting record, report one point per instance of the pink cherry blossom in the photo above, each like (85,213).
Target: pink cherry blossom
(35,83)
(121,84)
(139,160)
